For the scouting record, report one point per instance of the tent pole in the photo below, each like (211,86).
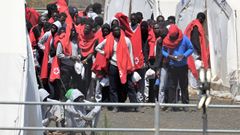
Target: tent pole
(236,28)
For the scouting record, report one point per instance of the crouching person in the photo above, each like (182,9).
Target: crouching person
(51,113)
(80,116)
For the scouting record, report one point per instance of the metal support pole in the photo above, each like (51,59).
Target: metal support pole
(204,118)
(157,118)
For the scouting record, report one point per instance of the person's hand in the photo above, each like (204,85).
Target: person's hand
(158,73)
(84,61)
(42,47)
(173,57)
(53,118)
(180,57)
(75,58)
(102,52)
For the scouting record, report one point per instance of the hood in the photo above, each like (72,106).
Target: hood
(58,24)
(73,94)
(43,94)
(112,19)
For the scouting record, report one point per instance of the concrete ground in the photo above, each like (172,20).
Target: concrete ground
(217,119)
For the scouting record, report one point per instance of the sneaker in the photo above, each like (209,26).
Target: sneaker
(115,109)
(185,109)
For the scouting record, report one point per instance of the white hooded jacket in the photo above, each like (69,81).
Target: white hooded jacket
(80,116)
(50,110)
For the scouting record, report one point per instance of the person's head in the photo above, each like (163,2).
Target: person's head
(106,29)
(171,20)
(97,8)
(156,29)
(133,19)
(63,17)
(98,20)
(88,28)
(43,95)
(47,26)
(88,8)
(74,95)
(144,30)
(173,32)
(55,16)
(201,17)
(160,18)
(150,22)
(115,22)
(139,16)
(42,20)
(116,31)
(51,8)
(73,11)
(55,26)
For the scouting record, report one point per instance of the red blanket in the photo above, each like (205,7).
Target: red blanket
(204,48)
(123,57)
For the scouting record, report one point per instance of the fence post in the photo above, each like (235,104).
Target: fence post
(157,118)
(205,121)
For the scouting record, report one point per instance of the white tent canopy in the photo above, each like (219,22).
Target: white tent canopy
(18,82)
(222,31)
(147,7)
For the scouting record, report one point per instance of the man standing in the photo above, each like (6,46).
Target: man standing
(68,53)
(200,56)
(177,48)
(118,50)
(87,42)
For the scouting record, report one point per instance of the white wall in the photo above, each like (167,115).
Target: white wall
(14,70)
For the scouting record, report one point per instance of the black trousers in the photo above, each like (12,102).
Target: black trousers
(141,83)
(118,91)
(87,78)
(69,78)
(177,75)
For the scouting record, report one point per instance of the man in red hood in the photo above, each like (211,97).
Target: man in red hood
(177,48)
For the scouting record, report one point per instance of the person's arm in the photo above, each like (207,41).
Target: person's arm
(100,46)
(59,51)
(129,44)
(159,56)
(167,55)
(43,40)
(165,52)
(189,50)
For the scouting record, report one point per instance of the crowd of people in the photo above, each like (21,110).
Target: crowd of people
(144,60)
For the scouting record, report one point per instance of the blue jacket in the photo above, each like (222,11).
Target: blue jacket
(184,48)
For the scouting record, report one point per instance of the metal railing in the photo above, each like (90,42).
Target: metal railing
(156,130)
